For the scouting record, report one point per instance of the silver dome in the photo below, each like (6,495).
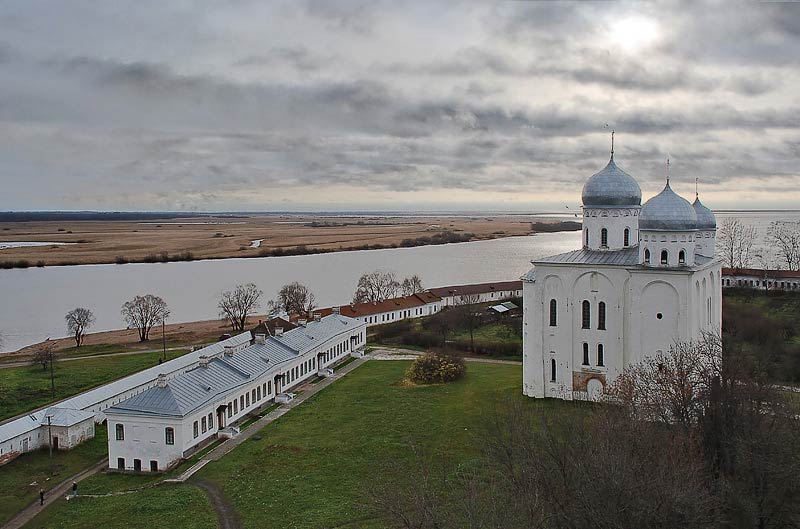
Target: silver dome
(611,187)
(705,217)
(667,211)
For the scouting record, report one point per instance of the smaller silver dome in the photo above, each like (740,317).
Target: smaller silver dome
(667,211)
(611,187)
(705,217)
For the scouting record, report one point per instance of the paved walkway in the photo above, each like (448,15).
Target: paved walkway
(391,353)
(59,491)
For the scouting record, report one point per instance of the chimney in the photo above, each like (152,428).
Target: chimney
(337,310)
(203,361)
(317,316)
(229,349)
(161,381)
(302,322)
(278,331)
(261,339)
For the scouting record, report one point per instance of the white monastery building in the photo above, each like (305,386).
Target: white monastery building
(158,427)
(644,279)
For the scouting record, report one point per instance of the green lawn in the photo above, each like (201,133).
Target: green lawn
(21,479)
(494,332)
(26,388)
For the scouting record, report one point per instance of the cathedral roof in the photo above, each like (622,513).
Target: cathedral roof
(705,217)
(611,187)
(668,211)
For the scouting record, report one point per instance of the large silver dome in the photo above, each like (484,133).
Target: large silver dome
(705,217)
(611,187)
(667,211)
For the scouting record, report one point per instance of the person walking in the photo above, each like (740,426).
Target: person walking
(74,489)
(41,497)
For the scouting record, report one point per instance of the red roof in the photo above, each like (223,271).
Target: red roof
(480,288)
(757,272)
(368,309)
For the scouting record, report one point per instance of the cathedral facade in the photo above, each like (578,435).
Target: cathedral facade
(644,279)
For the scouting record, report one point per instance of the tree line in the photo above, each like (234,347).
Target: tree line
(736,245)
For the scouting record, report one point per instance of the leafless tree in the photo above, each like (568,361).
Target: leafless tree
(237,304)
(376,286)
(785,236)
(411,285)
(78,321)
(293,298)
(44,354)
(735,242)
(143,312)
(467,315)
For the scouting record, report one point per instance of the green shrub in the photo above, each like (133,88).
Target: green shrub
(436,367)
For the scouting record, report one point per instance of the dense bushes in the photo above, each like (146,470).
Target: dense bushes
(436,367)
(22,263)
(438,238)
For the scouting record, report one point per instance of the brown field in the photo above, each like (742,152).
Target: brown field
(214,237)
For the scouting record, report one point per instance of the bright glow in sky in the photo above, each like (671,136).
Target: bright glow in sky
(634,33)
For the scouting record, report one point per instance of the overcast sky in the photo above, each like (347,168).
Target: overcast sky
(324,105)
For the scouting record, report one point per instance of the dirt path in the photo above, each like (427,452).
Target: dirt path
(397,353)
(227,516)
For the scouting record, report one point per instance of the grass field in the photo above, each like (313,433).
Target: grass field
(26,388)
(21,479)
(313,467)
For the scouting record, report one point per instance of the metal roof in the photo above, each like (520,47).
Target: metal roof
(64,416)
(611,187)
(668,211)
(625,257)
(705,217)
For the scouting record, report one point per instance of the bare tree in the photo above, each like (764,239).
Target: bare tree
(143,312)
(45,355)
(376,286)
(294,298)
(411,285)
(467,315)
(735,243)
(785,236)
(78,321)
(236,305)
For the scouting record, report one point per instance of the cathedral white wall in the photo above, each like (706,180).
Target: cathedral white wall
(615,221)
(673,242)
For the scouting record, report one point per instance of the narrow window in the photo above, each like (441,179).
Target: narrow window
(137,465)
(681,257)
(604,238)
(647,256)
(203,425)
(586,315)
(600,359)
(664,257)
(247,400)
(269,387)
(552,370)
(210,421)
(601,316)
(253,395)
(196,429)
(120,431)
(585,354)
(586,237)
(241,402)
(169,436)
(626,237)
(235,406)
(553,312)
(258,393)
(230,410)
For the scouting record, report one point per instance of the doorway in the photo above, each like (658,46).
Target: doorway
(153,466)
(55,442)
(137,465)
(221,417)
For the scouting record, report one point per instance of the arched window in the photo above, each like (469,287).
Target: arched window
(120,431)
(169,435)
(626,237)
(552,370)
(586,315)
(646,256)
(585,354)
(553,312)
(664,257)
(604,238)
(600,359)
(601,316)
(586,237)
(682,257)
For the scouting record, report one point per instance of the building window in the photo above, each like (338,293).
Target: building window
(586,237)
(120,431)
(604,238)
(600,359)
(196,429)
(247,400)
(682,257)
(269,387)
(258,393)
(552,370)
(210,421)
(230,410)
(646,256)
(664,257)
(585,354)
(169,436)
(137,465)
(253,395)
(241,403)
(553,312)
(235,406)
(203,425)
(121,463)
(601,316)
(586,315)
(153,465)
(626,237)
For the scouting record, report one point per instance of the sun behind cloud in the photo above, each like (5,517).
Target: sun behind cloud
(634,33)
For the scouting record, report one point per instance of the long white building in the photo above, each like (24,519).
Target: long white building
(644,279)
(158,427)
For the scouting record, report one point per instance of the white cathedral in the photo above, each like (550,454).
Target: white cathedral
(644,279)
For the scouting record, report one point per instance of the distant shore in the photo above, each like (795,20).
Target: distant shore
(198,237)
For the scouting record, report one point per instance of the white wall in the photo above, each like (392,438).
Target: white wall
(614,220)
